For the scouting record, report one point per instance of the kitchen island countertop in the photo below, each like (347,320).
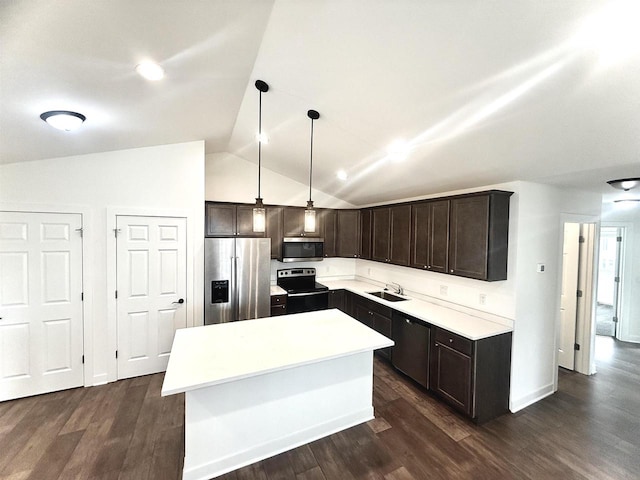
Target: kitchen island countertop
(215,354)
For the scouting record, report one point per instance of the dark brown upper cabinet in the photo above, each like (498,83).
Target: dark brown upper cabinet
(293,221)
(229,220)
(430,235)
(274,230)
(341,232)
(329,222)
(391,233)
(365,233)
(348,233)
(478,235)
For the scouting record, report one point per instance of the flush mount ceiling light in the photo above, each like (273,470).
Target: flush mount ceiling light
(259,214)
(625,183)
(150,70)
(310,213)
(63,119)
(342,175)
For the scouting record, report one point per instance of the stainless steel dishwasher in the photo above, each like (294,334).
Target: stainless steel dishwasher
(411,350)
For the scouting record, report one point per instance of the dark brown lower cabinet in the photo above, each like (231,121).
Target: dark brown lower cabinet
(336,299)
(376,316)
(278,305)
(471,376)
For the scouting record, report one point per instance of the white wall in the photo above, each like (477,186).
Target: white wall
(156,179)
(232,179)
(627,215)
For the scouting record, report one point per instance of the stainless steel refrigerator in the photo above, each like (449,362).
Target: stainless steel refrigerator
(237,279)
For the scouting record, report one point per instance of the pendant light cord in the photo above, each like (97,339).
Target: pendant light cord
(311,160)
(259,141)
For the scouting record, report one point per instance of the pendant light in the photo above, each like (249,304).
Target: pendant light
(259,214)
(310,213)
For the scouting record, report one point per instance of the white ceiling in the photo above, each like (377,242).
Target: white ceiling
(484,91)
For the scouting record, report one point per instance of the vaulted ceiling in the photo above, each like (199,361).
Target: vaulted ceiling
(480,92)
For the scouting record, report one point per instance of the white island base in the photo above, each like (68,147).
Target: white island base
(260,387)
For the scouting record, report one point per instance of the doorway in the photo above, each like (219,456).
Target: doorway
(575,337)
(609,281)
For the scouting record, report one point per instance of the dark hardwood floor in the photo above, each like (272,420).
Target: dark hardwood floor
(590,429)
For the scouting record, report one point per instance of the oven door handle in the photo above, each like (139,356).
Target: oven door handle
(306,294)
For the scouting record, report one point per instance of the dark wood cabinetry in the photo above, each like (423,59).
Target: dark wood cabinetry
(229,220)
(365,233)
(472,376)
(375,316)
(278,305)
(329,222)
(274,230)
(391,234)
(348,233)
(430,236)
(478,238)
(341,232)
(293,223)
(336,299)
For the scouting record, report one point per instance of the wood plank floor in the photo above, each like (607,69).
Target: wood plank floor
(590,429)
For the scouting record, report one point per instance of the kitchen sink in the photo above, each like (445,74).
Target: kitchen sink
(390,297)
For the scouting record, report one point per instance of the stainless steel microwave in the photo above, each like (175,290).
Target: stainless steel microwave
(302,249)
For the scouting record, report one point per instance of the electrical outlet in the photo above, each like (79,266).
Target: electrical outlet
(444,289)
(482,299)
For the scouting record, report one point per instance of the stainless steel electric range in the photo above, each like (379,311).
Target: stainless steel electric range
(304,294)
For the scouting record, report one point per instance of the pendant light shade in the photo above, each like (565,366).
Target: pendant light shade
(310,213)
(259,213)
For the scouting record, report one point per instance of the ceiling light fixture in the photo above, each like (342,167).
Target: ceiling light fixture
(150,70)
(398,150)
(310,213)
(342,175)
(259,214)
(63,119)
(625,183)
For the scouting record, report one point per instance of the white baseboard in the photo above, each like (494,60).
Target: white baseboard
(530,399)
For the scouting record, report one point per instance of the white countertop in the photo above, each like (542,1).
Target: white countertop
(464,324)
(214,354)
(276,290)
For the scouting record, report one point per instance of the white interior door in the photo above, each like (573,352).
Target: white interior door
(41,343)
(151,287)
(568,299)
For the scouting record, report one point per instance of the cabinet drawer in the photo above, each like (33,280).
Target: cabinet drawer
(278,300)
(375,306)
(461,344)
(278,310)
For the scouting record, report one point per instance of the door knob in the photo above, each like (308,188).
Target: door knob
(180,301)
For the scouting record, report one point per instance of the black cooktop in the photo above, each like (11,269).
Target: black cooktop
(299,280)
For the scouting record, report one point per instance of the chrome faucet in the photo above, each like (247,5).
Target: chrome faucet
(396,288)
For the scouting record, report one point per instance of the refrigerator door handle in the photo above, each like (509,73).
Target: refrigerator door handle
(234,297)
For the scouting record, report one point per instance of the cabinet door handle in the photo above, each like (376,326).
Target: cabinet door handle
(451,340)
(407,321)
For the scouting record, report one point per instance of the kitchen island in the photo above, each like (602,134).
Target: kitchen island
(257,388)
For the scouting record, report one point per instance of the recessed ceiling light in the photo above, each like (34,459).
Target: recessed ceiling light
(342,175)
(63,119)
(150,70)
(398,150)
